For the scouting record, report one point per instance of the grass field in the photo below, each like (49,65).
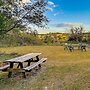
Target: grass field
(63,70)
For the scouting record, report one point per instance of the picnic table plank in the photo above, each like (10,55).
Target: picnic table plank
(23,58)
(4,67)
(35,64)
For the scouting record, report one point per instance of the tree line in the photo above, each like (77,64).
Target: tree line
(16,38)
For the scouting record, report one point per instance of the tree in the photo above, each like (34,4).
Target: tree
(76,34)
(20,14)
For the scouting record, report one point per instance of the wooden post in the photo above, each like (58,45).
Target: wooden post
(37,57)
(21,66)
(10,72)
(29,61)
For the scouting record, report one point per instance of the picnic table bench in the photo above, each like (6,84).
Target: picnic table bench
(72,47)
(35,64)
(5,67)
(82,47)
(31,57)
(69,47)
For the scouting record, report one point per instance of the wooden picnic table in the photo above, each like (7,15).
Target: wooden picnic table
(20,60)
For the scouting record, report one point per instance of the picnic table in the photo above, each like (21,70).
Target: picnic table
(31,57)
(69,47)
(82,47)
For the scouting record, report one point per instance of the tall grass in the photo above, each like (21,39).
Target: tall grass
(63,70)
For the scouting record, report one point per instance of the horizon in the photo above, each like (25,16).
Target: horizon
(62,32)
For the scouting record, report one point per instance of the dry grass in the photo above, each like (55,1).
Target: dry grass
(63,70)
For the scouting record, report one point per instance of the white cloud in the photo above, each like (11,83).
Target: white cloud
(58,13)
(49,8)
(25,1)
(54,6)
(69,24)
(50,3)
(55,14)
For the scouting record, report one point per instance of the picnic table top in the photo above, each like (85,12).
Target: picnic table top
(23,58)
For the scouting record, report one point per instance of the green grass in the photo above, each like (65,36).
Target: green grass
(5,57)
(63,70)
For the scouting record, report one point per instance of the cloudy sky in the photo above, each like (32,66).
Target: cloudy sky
(66,13)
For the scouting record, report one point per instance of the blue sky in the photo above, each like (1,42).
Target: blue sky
(65,13)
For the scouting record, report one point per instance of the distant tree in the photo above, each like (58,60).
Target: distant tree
(88,39)
(76,34)
(20,14)
(35,32)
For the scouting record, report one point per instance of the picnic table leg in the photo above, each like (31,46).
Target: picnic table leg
(37,57)
(10,73)
(29,61)
(85,49)
(21,66)
(18,66)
